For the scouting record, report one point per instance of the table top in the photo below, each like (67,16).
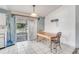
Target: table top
(46,35)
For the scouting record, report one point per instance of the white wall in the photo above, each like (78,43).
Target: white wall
(66,24)
(77,26)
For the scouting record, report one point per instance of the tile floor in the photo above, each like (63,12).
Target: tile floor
(34,47)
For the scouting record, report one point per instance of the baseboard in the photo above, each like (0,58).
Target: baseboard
(68,45)
(10,45)
(2,48)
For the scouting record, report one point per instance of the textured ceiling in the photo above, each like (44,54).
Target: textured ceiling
(41,10)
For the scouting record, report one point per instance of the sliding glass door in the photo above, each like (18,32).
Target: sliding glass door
(21,28)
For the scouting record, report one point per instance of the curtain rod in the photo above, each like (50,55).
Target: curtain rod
(23,15)
(16,13)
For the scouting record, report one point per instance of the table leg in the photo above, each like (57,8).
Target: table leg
(37,38)
(50,45)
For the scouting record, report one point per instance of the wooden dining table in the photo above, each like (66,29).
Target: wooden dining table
(46,35)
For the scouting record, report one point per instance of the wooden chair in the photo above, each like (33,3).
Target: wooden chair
(56,41)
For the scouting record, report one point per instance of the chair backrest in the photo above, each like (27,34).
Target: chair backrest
(59,35)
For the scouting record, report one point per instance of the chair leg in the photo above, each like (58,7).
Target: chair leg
(55,47)
(60,46)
